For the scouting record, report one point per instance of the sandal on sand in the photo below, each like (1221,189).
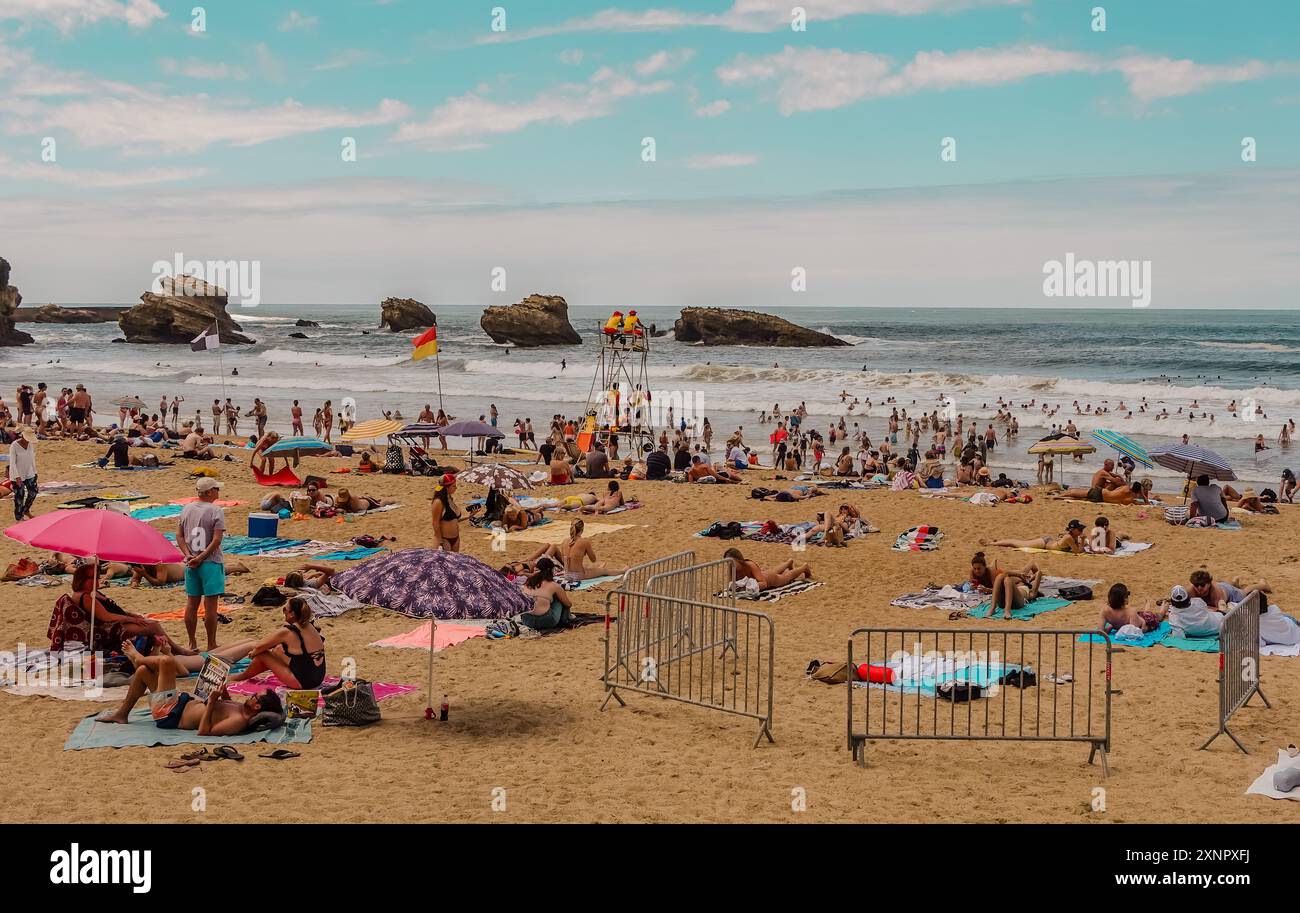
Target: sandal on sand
(1063,678)
(182,763)
(228,753)
(199,754)
(957,615)
(281,754)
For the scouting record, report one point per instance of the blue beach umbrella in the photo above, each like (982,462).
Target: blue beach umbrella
(302,446)
(1123,445)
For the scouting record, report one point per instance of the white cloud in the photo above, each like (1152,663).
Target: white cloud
(296,20)
(143,122)
(817,79)
(742,16)
(571,57)
(465,121)
(663,61)
(348,57)
(200,69)
(728,160)
(54,173)
(713,109)
(69,14)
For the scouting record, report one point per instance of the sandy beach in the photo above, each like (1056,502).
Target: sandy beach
(524,713)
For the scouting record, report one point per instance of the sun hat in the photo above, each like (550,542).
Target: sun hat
(206,483)
(1249,493)
(27,434)
(1178,597)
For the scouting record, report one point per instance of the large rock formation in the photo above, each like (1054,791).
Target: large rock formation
(9,301)
(728,327)
(538,320)
(184,307)
(52,313)
(401,314)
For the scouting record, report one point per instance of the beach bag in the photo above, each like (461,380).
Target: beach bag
(1177,514)
(351,702)
(269,596)
(1076,593)
(24,567)
(958,692)
(1268,496)
(829,673)
(394,461)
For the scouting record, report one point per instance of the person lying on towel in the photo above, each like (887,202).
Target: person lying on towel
(767,580)
(172,709)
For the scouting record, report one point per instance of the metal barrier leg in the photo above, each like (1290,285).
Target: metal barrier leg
(1099,748)
(611,691)
(763,730)
(1260,692)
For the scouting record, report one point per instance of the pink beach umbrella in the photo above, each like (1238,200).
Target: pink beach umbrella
(104,535)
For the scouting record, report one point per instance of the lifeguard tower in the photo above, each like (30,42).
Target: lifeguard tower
(619,402)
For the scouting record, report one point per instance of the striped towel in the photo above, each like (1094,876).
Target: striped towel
(772,595)
(919,539)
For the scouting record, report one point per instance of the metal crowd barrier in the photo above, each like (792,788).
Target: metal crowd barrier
(637,577)
(713,656)
(707,582)
(1069,702)
(1238,664)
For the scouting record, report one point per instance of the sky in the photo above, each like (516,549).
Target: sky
(890,152)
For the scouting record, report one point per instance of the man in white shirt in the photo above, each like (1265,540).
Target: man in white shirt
(1192,617)
(22,472)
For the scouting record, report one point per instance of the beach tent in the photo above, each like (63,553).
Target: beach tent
(372,430)
(434,584)
(1060,445)
(1123,445)
(1194,461)
(284,477)
(104,535)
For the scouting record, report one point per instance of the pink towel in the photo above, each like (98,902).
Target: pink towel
(258,685)
(447,635)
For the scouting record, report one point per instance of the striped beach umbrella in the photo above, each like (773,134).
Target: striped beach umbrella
(1122,445)
(1194,461)
(1062,445)
(372,430)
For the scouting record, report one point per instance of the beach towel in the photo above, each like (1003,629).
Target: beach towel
(284,477)
(776,593)
(156,512)
(121,468)
(329,605)
(947,599)
(1263,785)
(1039,606)
(178,614)
(555,533)
(351,554)
(926,679)
(919,539)
(81,691)
(142,731)
(220,502)
(592,582)
(448,635)
(1052,586)
(1162,636)
(373,510)
(1125,550)
(257,685)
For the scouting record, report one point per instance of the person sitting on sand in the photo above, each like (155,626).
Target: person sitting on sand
(194,447)
(1209,500)
(172,709)
(1128,494)
(1104,479)
(608,502)
(785,573)
(577,556)
(931,470)
(560,471)
(1193,616)
(295,653)
(1102,540)
(551,604)
(1117,612)
(1013,590)
(351,503)
(120,624)
(366,464)
(701,470)
(1072,541)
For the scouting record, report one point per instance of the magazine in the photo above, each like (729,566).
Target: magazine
(211,677)
(301,704)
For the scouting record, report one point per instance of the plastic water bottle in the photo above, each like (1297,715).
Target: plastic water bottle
(442,712)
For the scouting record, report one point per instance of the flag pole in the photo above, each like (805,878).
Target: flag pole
(437,362)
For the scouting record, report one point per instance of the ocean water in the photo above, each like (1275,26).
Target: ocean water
(1098,357)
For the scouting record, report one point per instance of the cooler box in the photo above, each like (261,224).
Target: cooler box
(263,526)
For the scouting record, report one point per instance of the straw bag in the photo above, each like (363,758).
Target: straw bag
(350,703)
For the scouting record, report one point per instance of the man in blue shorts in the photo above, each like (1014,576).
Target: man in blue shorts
(200,531)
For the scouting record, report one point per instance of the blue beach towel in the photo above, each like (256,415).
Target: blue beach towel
(157,512)
(353,554)
(142,731)
(1037,607)
(1162,636)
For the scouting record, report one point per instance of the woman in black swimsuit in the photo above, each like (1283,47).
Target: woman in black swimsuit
(446,516)
(295,653)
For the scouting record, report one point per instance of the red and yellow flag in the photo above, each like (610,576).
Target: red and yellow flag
(426,344)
